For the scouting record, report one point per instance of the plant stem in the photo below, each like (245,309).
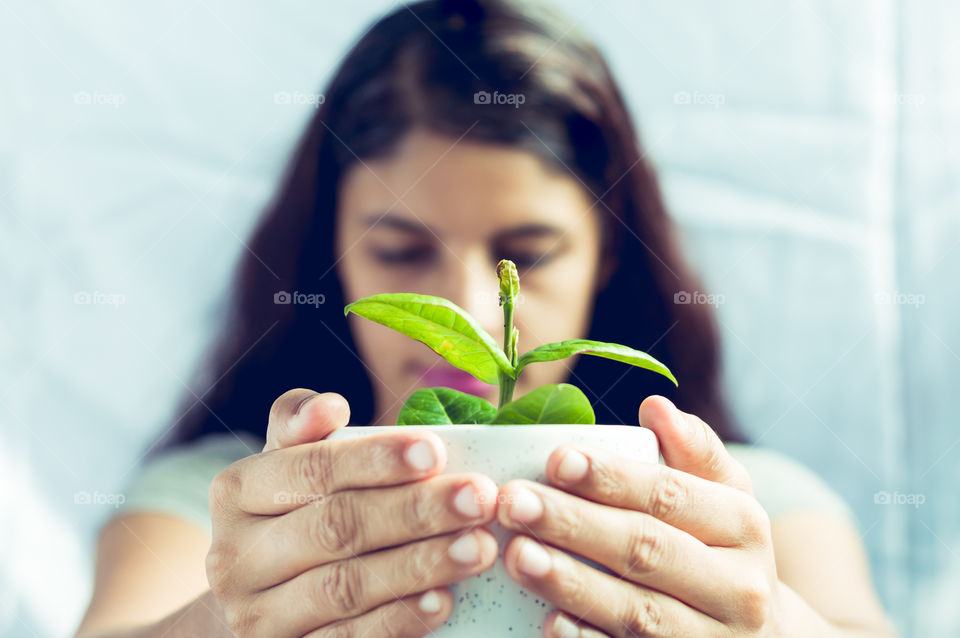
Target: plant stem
(509,285)
(507,383)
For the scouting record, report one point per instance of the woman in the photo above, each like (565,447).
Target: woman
(455,134)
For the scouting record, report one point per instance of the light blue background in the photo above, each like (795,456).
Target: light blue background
(821,182)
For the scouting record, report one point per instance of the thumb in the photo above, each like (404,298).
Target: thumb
(690,445)
(303,416)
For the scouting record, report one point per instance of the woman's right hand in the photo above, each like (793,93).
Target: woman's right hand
(343,538)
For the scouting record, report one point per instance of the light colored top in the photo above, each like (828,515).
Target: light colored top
(178,481)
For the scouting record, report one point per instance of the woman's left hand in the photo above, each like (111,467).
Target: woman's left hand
(688,543)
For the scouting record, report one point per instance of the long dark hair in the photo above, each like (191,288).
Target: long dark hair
(428,65)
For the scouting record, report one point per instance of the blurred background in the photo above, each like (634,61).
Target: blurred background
(809,150)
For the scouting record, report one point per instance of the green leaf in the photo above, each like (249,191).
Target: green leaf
(555,403)
(444,406)
(615,351)
(443,326)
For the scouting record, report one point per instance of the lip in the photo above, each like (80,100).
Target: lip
(450,377)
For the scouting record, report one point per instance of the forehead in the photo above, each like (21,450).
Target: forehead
(464,187)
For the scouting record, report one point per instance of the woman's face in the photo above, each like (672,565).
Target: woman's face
(435,218)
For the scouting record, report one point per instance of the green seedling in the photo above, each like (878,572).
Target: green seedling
(452,333)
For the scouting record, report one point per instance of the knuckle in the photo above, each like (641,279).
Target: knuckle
(715,458)
(644,548)
(567,526)
(421,563)
(669,494)
(605,479)
(336,630)
(567,579)
(244,620)
(219,562)
(756,524)
(314,469)
(755,602)
(341,587)
(337,529)
(225,489)
(642,618)
(419,510)
(388,625)
(417,565)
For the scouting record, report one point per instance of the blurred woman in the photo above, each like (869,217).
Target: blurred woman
(455,134)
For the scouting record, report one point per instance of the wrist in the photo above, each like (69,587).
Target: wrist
(797,619)
(203,616)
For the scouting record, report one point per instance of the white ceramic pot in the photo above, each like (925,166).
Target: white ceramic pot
(492,604)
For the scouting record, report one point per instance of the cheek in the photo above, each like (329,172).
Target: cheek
(382,350)
(556,305)
(554,311)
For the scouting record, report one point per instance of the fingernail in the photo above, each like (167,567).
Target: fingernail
(573,467)
(466,549)
(420,456)
(534,559)
(466,502)
(526,506)
(429,603)
(563,627)
(300,414)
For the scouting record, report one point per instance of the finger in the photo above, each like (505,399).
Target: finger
(300,416)
(633,545)
(561,625)
(615,606)
(356,522)
(714,513)
(690,445)
(413,616)
(282,480)
(351,587)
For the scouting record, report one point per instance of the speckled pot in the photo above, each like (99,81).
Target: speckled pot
(492,604)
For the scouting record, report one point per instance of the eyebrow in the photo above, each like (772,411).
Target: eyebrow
(531,230)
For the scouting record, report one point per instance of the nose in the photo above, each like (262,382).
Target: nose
(470,281)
